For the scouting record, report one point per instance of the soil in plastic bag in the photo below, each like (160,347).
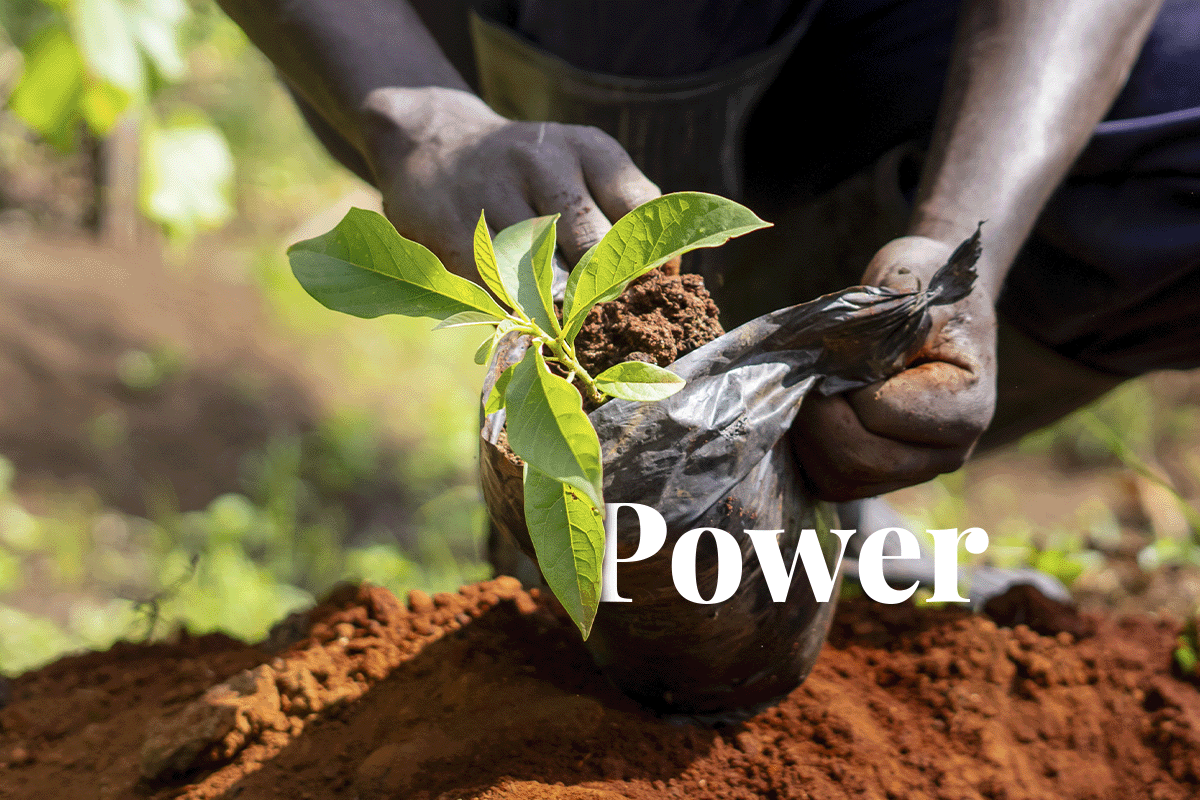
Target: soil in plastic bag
(717,455)
(658,319)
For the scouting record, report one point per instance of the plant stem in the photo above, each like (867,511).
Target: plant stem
(566,356)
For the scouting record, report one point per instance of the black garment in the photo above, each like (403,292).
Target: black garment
(1111,275)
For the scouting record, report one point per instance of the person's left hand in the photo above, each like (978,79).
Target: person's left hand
(921,422)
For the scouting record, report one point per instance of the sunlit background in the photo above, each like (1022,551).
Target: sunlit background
(186,439)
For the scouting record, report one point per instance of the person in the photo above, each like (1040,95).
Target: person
(808,110)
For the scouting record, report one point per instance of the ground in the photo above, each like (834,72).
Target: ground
(488,693)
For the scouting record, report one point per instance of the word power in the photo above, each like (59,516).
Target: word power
(871,558)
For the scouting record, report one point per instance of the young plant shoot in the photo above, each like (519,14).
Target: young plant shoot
(365,268)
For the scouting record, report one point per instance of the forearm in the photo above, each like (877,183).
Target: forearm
(1028,82)
(335,54)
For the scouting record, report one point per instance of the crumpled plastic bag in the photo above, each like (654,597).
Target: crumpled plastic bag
(716,455)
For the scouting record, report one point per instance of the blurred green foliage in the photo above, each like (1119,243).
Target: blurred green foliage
(383,489)
(1121,434)
(88,64)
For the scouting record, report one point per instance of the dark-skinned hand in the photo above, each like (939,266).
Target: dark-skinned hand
(923,421)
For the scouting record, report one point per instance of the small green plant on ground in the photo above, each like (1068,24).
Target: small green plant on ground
(365,268)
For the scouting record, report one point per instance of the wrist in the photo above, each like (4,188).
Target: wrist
(952,229)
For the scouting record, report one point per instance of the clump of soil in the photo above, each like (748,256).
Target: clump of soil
(658,319)
(488,693)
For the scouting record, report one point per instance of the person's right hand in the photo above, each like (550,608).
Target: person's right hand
(441,155)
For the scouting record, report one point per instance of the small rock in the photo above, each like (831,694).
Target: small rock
(19,756)
(245,705)
(419,602)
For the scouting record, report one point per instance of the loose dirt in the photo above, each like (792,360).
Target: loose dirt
(488,693)
(658,319)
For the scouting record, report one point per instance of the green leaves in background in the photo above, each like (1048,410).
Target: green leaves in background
(647,237)
(568,539)
(548,429)
(637,380)
(364,268)
(47,98)
(93,61)
(187,174)
(96,61)
(119,38)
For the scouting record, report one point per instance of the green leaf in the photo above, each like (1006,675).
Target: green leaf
(548,429)
(47,96)
(365,268)
(466,318)
(650,235)
(102,104)
(484,354)
(187,172)
(485,262)
(495,400)
(103,31)
(524,260)
(155,25)
(568,537)
(637,380)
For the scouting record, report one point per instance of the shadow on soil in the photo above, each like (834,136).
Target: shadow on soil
(508,697)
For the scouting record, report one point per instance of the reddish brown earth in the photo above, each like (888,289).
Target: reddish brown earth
(489,694)
(658,319)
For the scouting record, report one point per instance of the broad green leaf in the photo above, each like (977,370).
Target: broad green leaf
(637,380)
(187,173)
(484,354)
(47,96)
(495,399)
(155,26)
(548,429)
(103,31)
(365,268)
(568,537)
(485,262)
(102,104)
(650,235)
(524,259)
(465,318)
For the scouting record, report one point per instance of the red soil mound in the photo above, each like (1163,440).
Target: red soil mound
(488,693)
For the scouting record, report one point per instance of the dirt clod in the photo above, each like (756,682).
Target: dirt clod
(380,701)
(658,319)
(1023,604)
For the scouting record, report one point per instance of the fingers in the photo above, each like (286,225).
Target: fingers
(503,205)
(845,461)
(618,185)
(589,180)
(440,228)
(581,223)
(906,263)
(936,404)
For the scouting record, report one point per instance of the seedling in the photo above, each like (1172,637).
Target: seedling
(365,268)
